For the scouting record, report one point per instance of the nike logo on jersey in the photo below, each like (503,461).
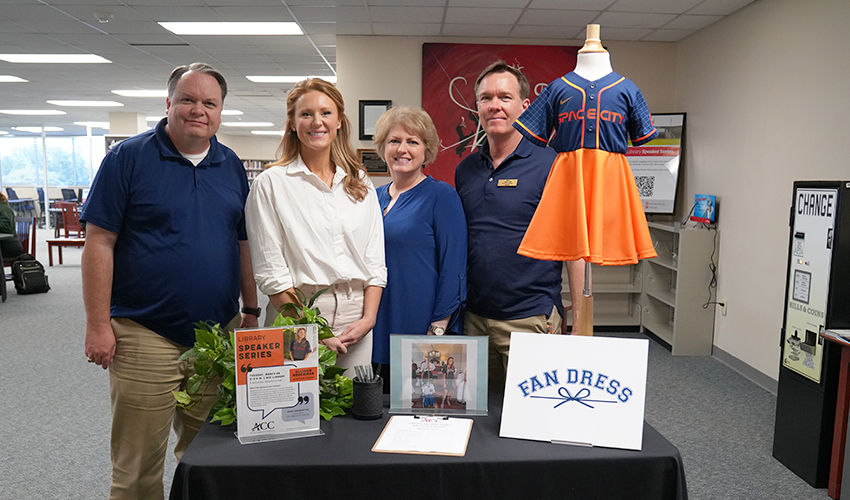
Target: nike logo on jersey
(565,100)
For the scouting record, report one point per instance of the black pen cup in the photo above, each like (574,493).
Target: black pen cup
(368,401)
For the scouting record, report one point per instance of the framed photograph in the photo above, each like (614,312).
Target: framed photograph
(373,162)
(370,111)
(440,375)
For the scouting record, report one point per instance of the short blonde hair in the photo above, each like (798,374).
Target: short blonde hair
(416,121)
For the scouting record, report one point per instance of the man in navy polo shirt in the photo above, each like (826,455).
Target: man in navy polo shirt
(166,247)
(500,186)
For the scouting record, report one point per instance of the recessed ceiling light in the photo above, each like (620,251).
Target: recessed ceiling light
(142,93)
(11,79)
(248,124)
(268,132)
(93,104)
(3,132)
(287,79)
(38,130)
(104,125)
(32,112)
(231,112)
(53,58)
(235,28)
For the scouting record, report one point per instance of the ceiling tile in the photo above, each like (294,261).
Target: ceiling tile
(476,30)
(597,5)
(468,15)
(271,13)
(610,20)
(689,22)
(326,14)
(665,35)
(624,34)
(654,6)
(480,4)
(406,29)
(406,3)
(720,7)
(557,32)
(406,14)
(550,17)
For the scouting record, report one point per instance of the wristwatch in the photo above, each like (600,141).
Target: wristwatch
(437,330)
(250,310)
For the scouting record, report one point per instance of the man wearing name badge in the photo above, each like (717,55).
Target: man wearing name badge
(166,247)
(500,186)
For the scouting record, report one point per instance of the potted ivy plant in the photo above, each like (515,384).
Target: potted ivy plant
(214,361)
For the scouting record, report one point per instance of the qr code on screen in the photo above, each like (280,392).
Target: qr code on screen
(645,185)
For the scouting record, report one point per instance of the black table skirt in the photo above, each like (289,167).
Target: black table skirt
(341,465)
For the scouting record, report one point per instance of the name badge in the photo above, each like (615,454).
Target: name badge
(507,183)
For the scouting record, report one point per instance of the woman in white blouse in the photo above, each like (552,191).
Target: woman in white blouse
(314,222)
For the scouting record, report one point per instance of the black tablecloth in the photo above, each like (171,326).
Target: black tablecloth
(341,465)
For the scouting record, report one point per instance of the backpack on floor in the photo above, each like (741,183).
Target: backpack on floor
(28,275)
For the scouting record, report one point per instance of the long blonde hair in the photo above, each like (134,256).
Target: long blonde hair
(341,153)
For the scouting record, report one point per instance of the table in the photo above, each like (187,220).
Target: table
(19,206)
(340,464)
(842,414)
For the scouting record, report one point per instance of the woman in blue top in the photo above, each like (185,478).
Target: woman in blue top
(424,234)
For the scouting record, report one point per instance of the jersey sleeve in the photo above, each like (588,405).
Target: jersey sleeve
(641,128)
(109,193)
(536,122)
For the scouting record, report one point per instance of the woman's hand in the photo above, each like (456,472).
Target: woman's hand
(335,345)
(355,331)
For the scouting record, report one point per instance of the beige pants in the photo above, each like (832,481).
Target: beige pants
(341,305)
(142,375)
(499,332)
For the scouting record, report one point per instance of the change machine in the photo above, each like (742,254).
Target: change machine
(817,296)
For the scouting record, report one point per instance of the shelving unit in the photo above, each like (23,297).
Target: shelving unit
(663,295)
(254,167)
(616,290)
(676,288)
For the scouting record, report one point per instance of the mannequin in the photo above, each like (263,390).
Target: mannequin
(594,62)
(590,208)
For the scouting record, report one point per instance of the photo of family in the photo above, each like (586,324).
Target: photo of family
(438,375)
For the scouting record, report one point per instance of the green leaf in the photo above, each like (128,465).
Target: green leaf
(226,415)
(314,297)
(201,366)
(182,397)
(191,353)
(194,383)
(230,382)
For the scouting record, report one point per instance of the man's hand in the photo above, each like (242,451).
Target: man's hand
(249,321)
(100,345)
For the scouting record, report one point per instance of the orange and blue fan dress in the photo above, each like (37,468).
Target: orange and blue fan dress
(590,208)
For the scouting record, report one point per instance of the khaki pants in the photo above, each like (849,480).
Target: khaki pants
(142,375)
(499,332)
(341,305)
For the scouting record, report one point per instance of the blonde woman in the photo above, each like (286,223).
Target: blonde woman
(425,231)
(314,222)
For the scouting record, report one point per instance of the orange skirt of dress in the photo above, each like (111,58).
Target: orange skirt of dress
(591,210)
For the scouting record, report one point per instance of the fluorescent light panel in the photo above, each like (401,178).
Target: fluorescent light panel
(91,104)
(231,112)
(32,112)
(235,28)
(53,58)
(11,79)
(248,124)
(37,130)
(286,79)
(142,93)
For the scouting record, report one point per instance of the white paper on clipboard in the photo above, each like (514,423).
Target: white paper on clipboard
(428,435)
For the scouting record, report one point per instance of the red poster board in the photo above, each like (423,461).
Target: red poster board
(449,71)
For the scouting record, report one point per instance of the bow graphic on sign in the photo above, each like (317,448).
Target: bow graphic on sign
(580,397)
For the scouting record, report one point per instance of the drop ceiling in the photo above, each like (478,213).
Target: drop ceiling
(143,52)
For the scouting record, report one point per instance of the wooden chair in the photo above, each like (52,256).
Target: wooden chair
(25,227)
(71,220)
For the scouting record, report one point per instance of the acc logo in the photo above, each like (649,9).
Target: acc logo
(262,426)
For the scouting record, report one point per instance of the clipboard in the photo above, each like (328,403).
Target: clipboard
(424,435)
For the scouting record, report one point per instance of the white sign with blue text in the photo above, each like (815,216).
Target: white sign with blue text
(578,390)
